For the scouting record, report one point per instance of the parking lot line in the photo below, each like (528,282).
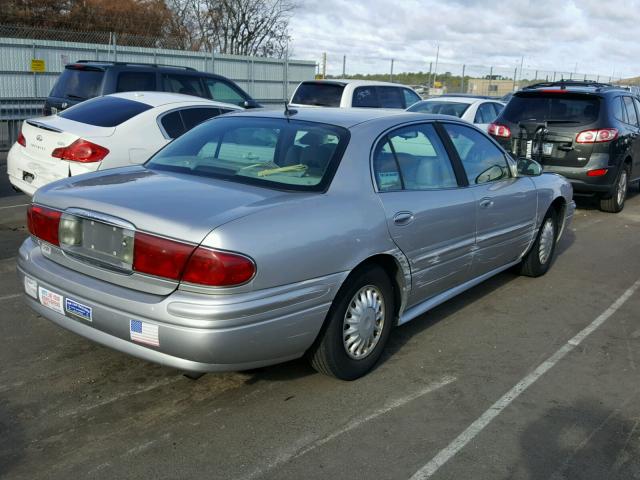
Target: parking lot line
(9,297)
(300,450)
(15,206)
(429,469)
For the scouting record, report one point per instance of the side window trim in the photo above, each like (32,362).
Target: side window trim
(395,159)
(456,161)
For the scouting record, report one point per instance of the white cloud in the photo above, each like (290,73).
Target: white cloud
(551,35)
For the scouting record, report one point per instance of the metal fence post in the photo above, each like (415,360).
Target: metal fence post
(462,79)
(554,76)
(391,72)
(515,75)
(35,78)
(490,80)
(213,61)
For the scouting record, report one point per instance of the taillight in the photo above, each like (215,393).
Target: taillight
(82,151)
(44,223)
(21,140)
(160,256)
(498,130)
(599,172)
(597,136)
(218,269)
(180,261)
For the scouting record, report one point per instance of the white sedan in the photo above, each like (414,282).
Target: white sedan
(479,111)
(104,132)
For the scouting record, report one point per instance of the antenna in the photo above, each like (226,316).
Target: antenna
(288,111)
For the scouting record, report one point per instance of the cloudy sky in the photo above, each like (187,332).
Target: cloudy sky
(587,36)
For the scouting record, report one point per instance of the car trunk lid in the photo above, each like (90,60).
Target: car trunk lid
(118,203)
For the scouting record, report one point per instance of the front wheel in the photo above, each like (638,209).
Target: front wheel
(538,260)
(358,326)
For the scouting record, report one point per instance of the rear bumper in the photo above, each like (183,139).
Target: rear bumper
(581,183)
(18,163)
(196,332)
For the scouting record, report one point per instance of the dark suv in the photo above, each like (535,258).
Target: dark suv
(87,79)
(589,132)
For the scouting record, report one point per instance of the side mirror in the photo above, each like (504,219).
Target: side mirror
(494,172)
(528,168)
(251,104)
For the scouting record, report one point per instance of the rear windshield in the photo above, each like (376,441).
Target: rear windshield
(105,111)
(454,109)
(269,152)
(557,108)
(320,94)
(78,84)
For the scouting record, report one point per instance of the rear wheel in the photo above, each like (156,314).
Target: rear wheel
(538,260)
(358,326)
(615,203)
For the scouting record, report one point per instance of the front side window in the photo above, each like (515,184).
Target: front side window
(365,97)
(269,152)
(412,158)
(185,84)
(221,92)
(482,160)
(410,97)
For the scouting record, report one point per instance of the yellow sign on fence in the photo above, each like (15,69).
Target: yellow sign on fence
(37,65)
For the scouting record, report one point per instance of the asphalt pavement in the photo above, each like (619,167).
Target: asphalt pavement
(518,378)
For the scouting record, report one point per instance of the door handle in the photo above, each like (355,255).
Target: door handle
(403,218)
(486,203)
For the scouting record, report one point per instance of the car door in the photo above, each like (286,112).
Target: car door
(506,206)
(430,217)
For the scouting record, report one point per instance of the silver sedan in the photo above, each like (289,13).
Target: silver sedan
(261,237)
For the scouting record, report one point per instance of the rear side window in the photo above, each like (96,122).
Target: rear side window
(485,114)
(556,107)
(413,158)
(222,92)
(618,110)
(631,111)
(365,97)
(319,94)
(78,84)
(136,82)
(172,124)
(105,111)
(390,97)
(195,116)
(185,84)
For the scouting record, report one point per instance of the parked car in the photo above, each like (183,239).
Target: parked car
(263,236)
(86,79)
(480,111)
(353,93)
(101,133)
(587,131)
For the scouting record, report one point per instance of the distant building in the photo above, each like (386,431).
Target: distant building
(484,86)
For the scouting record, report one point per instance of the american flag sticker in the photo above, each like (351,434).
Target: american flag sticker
(143,332)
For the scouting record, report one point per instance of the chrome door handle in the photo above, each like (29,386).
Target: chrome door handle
(486,203)
(403,218)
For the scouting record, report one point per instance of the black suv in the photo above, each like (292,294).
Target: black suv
(87,79)
(589,132)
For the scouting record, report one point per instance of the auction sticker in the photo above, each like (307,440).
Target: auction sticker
(50,300)
(78,309)
(31,287)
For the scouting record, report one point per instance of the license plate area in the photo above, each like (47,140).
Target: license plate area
(547,149)
(105,243)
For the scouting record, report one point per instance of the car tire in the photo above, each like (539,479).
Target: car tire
(615,203)
(539,258)
(352,341)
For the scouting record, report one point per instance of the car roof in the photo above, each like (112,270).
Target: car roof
(468,100)
(158,99)
(341,117)
(356,83)
(573,86)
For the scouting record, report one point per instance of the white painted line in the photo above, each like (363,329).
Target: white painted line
(9,297)
(477,426)
(14,206)
(299,450)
